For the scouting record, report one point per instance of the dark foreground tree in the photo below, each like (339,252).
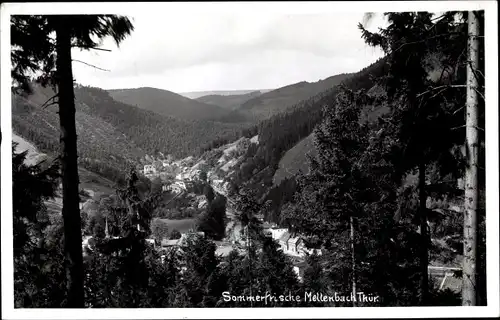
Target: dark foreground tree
(38,265)
(213,221)
(425,89)
(36,51)
(159,229)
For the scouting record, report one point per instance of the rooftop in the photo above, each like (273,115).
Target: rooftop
(285,236)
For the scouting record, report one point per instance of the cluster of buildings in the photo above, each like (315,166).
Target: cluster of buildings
(167,165)
(177,186)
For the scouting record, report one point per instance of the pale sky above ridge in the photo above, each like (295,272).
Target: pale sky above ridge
(222,51)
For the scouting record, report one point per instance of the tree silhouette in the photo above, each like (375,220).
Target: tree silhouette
(36,51)
(424,106)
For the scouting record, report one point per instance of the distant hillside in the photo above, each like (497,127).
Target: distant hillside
(229,102)
(281,99)
(113,135)
(198,94)
(295,159)
(283,131)
(168,104)
(99,142)
(92,183)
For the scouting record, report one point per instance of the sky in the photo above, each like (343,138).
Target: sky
(184,52)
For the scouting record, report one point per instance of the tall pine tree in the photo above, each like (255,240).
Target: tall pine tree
(36,51)
(425,90)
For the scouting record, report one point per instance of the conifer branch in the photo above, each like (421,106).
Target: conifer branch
(91,65)
(420,41)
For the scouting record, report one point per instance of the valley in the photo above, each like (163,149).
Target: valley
(168,137)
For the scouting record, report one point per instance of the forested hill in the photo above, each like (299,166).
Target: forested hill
(273,102)
(283,131)
(225,93)
(229,102)
(170,104)
(113,135)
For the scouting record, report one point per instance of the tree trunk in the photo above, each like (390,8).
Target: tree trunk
(471,171)
(351,222)
(424,258)
(249,265)
(69,167)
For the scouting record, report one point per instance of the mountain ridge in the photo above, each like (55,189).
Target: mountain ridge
(198,94)
(282,99)
(230,102)
(168,103)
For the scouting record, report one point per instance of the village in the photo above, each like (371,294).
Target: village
(291,245)
(179,176)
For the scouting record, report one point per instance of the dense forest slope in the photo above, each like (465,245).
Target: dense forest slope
(112,135)
(281,132)
(295,159)
(273,102)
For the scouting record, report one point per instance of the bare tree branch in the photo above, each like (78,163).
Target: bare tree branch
(420,41)
(454,128)
(92,48)
(90,65)
(479,71)
(479,92)
(456,111)
(441,87)
(474,72)
(46,104)
(439,92)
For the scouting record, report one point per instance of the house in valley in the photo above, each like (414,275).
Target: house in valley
(174,187)
(299,268)
(293,245)
(149,169)
(283,241)
(276,232)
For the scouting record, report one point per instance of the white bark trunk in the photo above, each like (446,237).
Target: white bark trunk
(469,288)
(353,263)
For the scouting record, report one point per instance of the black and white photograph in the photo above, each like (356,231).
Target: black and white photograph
(249,159)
